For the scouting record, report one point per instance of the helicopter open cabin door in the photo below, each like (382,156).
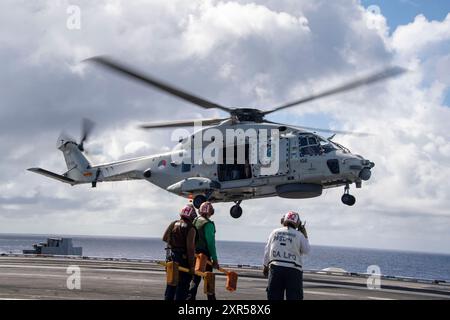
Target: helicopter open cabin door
(235,170)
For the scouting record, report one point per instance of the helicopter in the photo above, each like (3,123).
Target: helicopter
(307,163)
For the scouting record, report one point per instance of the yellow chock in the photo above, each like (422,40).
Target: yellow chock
(173,270)
(209,278)
(201,262)
(172,273)
(209,283)
(232,278)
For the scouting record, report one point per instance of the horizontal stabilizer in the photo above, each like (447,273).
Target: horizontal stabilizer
(53,175)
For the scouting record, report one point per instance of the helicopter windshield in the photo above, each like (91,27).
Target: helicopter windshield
(329,146)
(312,145)
(340,146)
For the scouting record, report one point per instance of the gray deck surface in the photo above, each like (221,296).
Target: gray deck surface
(24,277)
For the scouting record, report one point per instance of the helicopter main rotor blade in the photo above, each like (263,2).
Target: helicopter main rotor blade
(182,123)
(379,76)
(132,73)
(358,134)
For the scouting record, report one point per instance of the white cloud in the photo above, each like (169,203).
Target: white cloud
(217,23)
(421,35)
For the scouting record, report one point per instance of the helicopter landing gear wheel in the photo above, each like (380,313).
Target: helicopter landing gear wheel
(236,210)
(347,198)
(198,200)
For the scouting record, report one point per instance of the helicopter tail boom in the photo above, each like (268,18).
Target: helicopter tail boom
(78,166)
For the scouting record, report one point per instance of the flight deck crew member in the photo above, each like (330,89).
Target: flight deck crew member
(206,244)
(180,237)
(283,259)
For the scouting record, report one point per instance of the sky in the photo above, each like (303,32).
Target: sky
(237,53)
(401,12)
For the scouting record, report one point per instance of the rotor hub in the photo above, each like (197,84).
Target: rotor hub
(248,114)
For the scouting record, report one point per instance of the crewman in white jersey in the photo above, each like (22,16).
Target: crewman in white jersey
(283,259)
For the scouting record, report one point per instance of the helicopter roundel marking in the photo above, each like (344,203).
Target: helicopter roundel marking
(162,164)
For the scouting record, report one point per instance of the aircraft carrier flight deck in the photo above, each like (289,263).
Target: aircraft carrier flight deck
(40,277)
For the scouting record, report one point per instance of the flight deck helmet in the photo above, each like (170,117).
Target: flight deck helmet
(188,212)
(206,209)
(291,218)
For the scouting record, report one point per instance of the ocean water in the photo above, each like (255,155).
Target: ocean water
(392,263)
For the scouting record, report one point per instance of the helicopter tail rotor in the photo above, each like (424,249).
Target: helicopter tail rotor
(87,126)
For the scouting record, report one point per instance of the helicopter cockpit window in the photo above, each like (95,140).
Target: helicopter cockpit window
(309,146)
(303,141)
(327,146)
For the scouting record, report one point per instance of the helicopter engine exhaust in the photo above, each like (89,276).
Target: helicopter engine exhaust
(147,173)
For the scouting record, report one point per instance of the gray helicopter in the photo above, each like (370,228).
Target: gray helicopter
(306,163)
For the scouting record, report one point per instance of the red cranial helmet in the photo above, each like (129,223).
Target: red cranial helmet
(292,218)
(206,208)
(188,211)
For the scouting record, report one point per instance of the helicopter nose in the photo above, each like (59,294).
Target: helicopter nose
(366,172)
